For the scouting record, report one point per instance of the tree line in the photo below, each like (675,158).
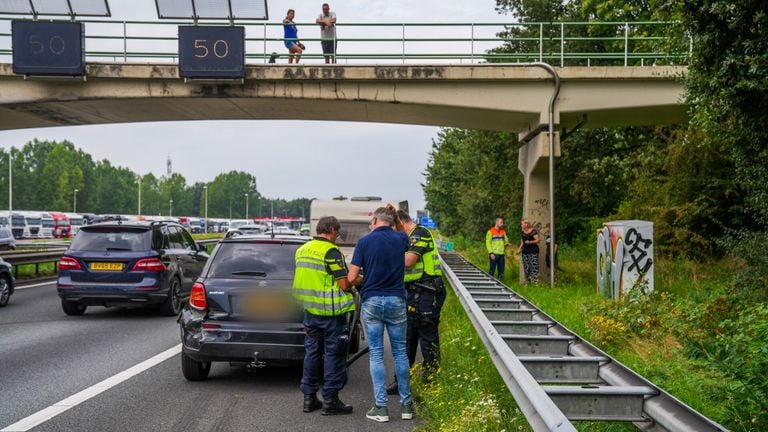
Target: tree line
(704,184)
(46,175)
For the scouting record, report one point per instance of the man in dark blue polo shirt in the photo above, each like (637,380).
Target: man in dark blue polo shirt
(380,255)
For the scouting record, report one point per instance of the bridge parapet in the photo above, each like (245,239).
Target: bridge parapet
(593,43)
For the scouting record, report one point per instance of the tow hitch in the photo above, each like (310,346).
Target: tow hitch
(256,363)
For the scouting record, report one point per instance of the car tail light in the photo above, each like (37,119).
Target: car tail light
(67,263)
(149,264)
(197,297)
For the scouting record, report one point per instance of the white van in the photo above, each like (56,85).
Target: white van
(354,215)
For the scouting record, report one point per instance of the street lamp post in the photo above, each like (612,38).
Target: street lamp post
(138,182)
(74,202)
(10,186)
(205,224)
(170,208)
(246,206)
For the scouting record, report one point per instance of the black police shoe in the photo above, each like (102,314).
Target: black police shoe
(334,406)
(392,388)
(311,403)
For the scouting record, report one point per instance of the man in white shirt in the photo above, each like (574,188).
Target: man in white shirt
(327,21)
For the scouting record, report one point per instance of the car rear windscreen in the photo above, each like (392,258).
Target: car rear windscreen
(111,239)
(254,260)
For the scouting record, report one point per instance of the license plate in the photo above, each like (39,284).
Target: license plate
(265,305)
(106,266)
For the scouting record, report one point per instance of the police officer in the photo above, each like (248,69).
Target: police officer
(426,295)
(320,284)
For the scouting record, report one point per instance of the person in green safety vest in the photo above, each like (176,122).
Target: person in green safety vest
(426,295)
(495,240)
(320,285)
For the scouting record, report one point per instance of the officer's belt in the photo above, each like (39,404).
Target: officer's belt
(418,287)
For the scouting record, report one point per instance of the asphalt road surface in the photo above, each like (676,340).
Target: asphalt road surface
(47,357)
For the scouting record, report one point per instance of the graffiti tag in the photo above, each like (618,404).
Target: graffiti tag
(638,251)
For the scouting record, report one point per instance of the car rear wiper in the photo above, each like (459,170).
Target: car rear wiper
(118,249)
(249,273)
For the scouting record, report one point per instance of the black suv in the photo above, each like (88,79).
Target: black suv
(129,264)
(242,309)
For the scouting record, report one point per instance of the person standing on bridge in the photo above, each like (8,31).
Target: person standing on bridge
(291,37)
(529,248)
(495,240)
(426,295)
(380,254)
(320,284)
(327,21)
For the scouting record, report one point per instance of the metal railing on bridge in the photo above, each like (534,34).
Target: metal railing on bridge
(557,43)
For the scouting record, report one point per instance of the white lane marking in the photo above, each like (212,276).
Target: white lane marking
(35,285)
(76,399)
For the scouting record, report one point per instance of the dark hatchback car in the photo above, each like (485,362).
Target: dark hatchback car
(129,264)
(241,310)
(7,282)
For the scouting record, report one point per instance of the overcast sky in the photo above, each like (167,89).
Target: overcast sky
(290,159)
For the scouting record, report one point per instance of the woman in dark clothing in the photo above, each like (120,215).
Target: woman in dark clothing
(529,250)
(291,38)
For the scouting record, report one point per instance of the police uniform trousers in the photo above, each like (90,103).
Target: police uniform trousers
(325,358)
(424,308)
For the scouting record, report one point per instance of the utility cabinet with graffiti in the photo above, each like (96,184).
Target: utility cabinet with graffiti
(624,258)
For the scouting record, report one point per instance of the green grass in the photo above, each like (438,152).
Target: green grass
(467,375)
(466,393)
(27,271)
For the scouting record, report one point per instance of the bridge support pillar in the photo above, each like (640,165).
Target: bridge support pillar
(533,162)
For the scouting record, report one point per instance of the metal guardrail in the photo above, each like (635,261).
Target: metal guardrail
(553,374)
(19,258)
(557,43)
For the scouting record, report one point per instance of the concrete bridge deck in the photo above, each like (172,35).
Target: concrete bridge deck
(503,97)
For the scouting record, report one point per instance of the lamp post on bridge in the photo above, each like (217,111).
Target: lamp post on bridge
(170,208)
(246,206)
(74,201)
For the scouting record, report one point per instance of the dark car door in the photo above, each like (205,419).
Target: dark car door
(191,259)
(177,255)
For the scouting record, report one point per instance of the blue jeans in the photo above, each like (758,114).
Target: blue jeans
(388,312)
(497,263)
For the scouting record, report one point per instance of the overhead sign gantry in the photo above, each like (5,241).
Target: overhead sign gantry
(51,48)
(212,52)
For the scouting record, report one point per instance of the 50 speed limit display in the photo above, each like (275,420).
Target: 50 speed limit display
(48,48)
(211,52)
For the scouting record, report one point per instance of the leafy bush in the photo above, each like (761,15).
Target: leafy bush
(738,348)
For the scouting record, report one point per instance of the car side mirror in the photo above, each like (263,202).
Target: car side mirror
(201,247)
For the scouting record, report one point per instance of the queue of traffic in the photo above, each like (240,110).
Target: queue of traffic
(30,224)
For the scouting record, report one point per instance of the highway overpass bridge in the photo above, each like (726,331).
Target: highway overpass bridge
(510,97)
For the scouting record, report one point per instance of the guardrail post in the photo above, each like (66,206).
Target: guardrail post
(472,44)
(125,43)
(403,43)
(562,44)
(626,42)
(541,42)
